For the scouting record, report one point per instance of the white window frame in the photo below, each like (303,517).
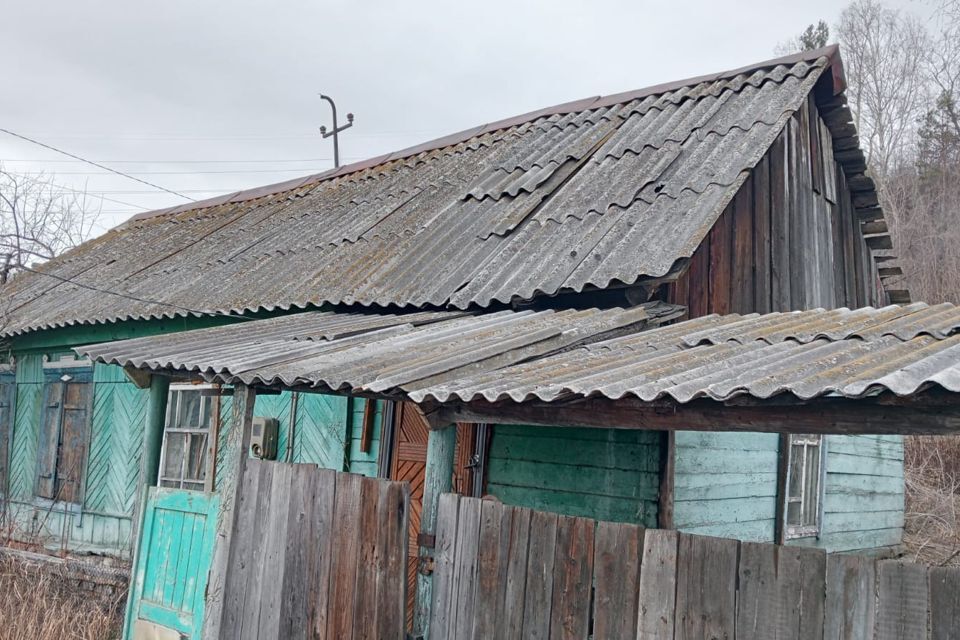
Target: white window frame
(209,433)
(805,529)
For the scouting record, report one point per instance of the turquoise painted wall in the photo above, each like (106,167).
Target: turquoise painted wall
(607,474)
(103,522)
(864,493)
(725,484)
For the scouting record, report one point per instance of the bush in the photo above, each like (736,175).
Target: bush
(932,474)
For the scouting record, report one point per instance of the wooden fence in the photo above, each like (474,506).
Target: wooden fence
(316,554)
(507,572)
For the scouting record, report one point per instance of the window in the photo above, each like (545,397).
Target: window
(64,430)
(186,436)
(803,488)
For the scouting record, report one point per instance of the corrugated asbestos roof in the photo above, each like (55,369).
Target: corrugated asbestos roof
(606,191)
(559,355)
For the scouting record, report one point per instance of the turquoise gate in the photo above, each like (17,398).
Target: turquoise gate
(176,545)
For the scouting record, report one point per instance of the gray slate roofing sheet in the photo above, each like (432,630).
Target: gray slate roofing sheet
(558,203)
(559,355)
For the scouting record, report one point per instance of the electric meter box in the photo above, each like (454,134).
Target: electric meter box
(263,439)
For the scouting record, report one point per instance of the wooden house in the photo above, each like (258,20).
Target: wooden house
(733,193)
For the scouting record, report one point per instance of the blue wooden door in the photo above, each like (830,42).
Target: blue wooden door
(176,546)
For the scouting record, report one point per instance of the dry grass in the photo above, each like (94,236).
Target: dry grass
(932,469)
(41,603)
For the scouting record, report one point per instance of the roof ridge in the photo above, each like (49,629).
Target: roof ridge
(831,53)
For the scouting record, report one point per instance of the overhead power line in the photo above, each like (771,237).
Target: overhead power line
(95,164)
(261,161)
(196,173)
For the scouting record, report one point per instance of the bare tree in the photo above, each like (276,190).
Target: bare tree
(39,220)
(885,52)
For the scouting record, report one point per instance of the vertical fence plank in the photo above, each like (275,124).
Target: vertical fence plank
(757,601)
(249,613)
(468,540)
(444,576)
(301,540)
(235,582)
(365,598)
(392,522)
(539,591)
(850,612)
(944,603)
(616,570)
(901,601)
(706,587)
(658,585)
(572,579)
(510,625)
(274,557)
(495,526)
(343,567)
(320,560)
(813,588)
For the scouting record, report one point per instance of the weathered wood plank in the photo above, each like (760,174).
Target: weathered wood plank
(393,519)
(250,611)
(343,568)
(468,540)
(510,624)
(657,586)
(616,570)
(761,237)
(779,225)
(721,262)
(757,600)
(236,575)
(800,590)
(944,603)
(274,556)
(706,588)
(742,255)
(495,527)
(572,579)
(901,601)
(321,532)
(539,592)
(365,600)
(296,601)
(444,592)
(850,612)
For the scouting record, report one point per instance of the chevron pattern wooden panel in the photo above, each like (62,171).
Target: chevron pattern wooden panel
(23,462)
(113,471)
(321,436)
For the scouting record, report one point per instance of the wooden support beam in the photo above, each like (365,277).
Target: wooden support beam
(925,415)
(438,479)
(235,458)
(139,377)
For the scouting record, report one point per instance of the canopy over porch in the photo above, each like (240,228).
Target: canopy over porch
(889,370)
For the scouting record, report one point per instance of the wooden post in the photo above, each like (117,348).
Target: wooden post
(438,479)
(234,461)
(153,431)
(156,416)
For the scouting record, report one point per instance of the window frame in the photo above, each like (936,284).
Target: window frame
(792,531)
(210,433)
(62,371)
(8,386)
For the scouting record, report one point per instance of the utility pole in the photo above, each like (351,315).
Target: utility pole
(336,129)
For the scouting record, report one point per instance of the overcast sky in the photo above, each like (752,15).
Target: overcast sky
(212,97)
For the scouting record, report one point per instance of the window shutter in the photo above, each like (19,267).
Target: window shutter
(73,441)
(7,390)
(49,439)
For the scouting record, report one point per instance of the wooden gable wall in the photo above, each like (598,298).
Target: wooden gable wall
(790,239)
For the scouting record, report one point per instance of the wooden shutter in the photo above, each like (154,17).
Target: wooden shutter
(49,440)
(74,437)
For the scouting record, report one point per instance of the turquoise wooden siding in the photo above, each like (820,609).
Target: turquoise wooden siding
(725,484)
(607,474)
(328,430)
(26,427)
(864,492)
(177,545)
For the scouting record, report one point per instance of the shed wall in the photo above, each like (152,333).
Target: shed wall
(607,474)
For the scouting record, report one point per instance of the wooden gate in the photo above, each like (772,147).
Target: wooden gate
(176,543)
(508,572)
(315,554)
(409,464)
